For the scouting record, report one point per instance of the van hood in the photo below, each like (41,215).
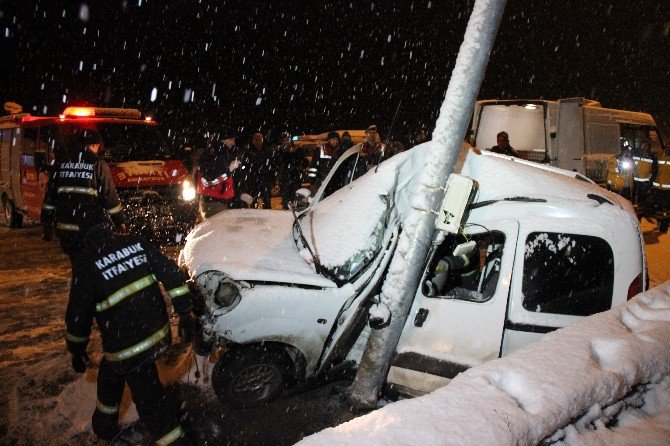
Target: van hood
(148,173)
(250,245)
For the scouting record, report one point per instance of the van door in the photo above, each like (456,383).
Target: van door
(5,157)
(30,188)
(15,167)
(561,275)
(570,135)
(454,326)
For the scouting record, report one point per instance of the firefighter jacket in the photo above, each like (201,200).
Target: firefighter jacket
(115,280)
(322,161)
(662,181)
(80,192)
(646,167)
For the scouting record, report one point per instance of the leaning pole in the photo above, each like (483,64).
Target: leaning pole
(405,269)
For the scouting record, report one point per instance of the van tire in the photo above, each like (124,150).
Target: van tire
(12,217)
(251,375)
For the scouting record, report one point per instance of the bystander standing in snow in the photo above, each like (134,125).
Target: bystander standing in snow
(215,182)
(293,163)
(324,159)
(372,149)
(345,142)
(260,172)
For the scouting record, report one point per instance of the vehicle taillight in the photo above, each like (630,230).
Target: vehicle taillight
(635,287)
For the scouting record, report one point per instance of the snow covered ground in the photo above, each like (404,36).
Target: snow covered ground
(43,402)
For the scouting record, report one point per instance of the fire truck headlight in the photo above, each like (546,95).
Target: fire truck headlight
(187,190)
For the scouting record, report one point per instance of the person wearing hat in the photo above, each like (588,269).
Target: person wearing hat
(372,149)
(324,159)
(80,193)
(292,165)
(215,183)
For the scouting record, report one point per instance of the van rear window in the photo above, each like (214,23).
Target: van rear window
(567,274)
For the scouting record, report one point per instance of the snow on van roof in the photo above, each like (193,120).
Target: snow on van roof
(502,177)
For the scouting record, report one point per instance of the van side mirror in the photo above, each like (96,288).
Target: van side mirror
(302,199)
(459,194)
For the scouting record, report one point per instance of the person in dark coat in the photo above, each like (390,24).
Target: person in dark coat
(346,142)
(117,280)
(503,146)
(80,193)
(293,163)
(260,167)
(324,159)
(215,176)
(373,150)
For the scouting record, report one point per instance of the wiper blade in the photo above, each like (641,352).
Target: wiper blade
(481,204)
(317,264)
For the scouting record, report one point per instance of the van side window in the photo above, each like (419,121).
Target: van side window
(29,140)
(456,272)
(567,274)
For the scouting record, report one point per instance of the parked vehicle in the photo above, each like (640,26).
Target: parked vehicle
(287,298)
(574,134)
(154,187)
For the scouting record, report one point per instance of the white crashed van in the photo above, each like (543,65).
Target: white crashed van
(286,299)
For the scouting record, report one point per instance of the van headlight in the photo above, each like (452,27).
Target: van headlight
(187,190)
(219,290)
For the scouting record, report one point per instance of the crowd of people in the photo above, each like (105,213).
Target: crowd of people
(231,176)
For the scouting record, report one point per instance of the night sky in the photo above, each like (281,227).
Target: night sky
(314,66)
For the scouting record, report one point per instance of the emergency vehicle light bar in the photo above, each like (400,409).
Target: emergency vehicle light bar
(81,112)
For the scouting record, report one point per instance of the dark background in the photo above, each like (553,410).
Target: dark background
(315,66)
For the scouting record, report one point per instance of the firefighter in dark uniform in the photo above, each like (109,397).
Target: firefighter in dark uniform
(80,193)
(116,281)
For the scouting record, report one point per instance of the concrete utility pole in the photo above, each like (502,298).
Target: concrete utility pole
(405,269)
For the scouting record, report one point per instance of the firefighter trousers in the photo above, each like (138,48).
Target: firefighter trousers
(150,398)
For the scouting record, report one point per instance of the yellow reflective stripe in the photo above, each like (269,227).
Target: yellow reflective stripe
(67,227)
(174,434)
(73,338)
(140,346)
(109,410)
(124,292)
(48,207)
(115,209)
(179,291)
(77,190)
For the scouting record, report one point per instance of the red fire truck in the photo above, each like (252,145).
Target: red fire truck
(154,186)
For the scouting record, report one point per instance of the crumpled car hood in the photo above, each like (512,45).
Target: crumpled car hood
(251,245)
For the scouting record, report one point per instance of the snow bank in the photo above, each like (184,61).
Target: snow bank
(610,369)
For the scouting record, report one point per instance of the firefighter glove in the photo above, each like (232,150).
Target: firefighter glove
(186,326)
(79,362)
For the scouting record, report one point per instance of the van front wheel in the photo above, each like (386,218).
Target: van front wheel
(12,217)
(251,376)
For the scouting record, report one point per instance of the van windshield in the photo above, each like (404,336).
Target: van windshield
(123,142)
(523,122)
